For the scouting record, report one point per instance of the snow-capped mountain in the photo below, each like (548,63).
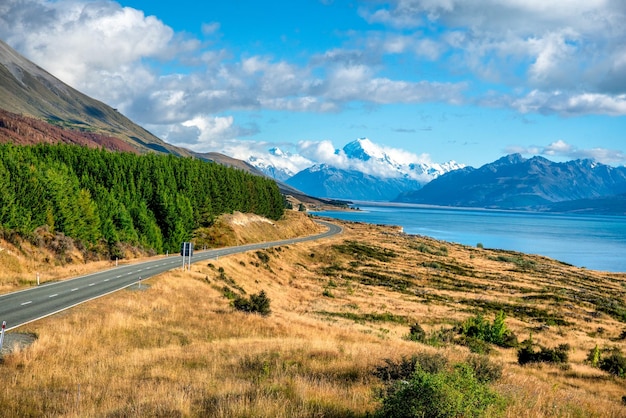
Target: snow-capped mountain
(278,164)
(361,170)
(331,182)
(368,157)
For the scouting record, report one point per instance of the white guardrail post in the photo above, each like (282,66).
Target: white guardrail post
(4,325)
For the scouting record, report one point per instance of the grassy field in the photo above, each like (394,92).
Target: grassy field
(340,308)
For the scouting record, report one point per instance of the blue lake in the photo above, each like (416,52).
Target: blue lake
(595,242)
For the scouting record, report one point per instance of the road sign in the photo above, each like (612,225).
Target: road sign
(186,250)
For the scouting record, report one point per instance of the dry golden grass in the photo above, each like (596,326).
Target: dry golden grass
(340,306)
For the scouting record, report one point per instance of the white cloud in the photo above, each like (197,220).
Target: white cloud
(571,104)
(564,57)
(73,39)
(203,133)
(357,83)
(322,152)
(575,46)
(562,150)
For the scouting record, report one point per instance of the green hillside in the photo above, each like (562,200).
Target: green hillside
(104,199)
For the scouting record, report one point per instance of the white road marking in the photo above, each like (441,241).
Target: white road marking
(51,296)
(118,277)
(74,289)
(92,284)
(106,280)
(26,303)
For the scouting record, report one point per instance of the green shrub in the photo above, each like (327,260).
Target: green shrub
(615,364)
(228,293)
(477,327)
(417,333)
(475,345)
(484,369)
(455,393)
(527,354)
(593,358)
(258,303)
(403,369)
(263,257)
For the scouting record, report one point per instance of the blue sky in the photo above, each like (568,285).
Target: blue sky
(443,80)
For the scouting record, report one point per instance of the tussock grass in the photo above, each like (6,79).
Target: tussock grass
(180,348)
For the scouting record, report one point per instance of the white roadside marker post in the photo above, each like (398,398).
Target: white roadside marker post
(4,325)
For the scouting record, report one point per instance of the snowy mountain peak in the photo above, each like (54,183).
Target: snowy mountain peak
(364,149)
(277,152)
(363,164)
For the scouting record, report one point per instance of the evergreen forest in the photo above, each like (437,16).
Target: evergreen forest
(101,198)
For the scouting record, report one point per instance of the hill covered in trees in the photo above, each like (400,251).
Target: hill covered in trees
(103,199)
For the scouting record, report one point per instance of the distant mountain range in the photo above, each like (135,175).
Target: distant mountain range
(513,182)
(364,171)
(327,181)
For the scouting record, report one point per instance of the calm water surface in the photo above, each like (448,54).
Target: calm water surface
(591,241)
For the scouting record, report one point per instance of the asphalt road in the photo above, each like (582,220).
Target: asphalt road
(21,307)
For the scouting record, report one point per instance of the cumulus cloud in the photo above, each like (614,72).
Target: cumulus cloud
(102,48)
(73,39)
(575,46)
(203,133)
(571,104)
(561,149)
(565,58)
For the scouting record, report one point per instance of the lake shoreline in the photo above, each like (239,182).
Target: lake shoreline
(595,242)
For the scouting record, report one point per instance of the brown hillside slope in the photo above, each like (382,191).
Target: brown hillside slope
(22,130)
(340,307)
(27,89)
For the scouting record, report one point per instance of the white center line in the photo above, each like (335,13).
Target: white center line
(51,296)
(106,280)
(92,284)
(118,277)
(74,289)
(26,303)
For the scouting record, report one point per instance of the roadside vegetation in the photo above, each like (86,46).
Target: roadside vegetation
(372,323)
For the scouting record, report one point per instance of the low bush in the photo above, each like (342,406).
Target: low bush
(445,393)
(527,354)
(484,369)
(263,257)
(403,369)
(610,360)
(497,333)
(417,333)
(258,303)
(614,363)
